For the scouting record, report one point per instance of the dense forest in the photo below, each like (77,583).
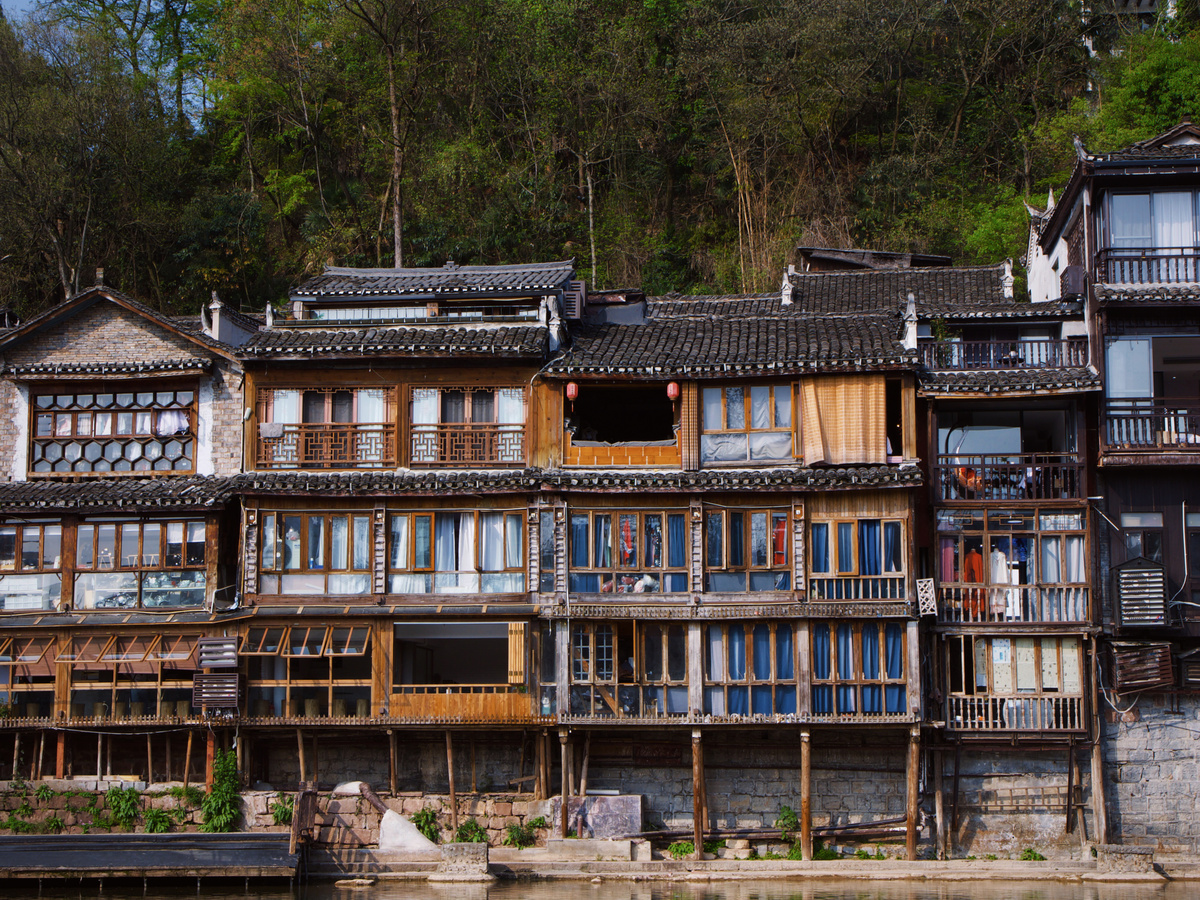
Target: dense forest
(191,146)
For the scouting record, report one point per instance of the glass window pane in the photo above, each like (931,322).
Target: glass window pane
(783,406)
(268,542)
(758,539)
(737,540)
(735,409)
(820,547)
(84,546)
(627,539)
(174,544)
(1130,220)
(712,409)
(151,544)
(339,542)
(195,544)
(316,542)
(714,552)
(399,548)
(362,543)
(422,542)
(52,547)
(760,407)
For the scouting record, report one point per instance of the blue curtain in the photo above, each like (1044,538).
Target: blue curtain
(739,700)
(892,560)
(871,694)
(737,653)
(676,542)
(785,699)
(869,562)
(845,668)
(893,648)
(820,547)
(822,694)
(784,657)
(762,701)
(579,542)
(737,540)
(762,653)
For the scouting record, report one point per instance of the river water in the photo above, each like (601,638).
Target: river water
(800,889)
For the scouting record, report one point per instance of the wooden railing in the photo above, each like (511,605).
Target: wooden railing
(1029,354)
(1031,712)
(1017,476)
(468,444)
(857,587)
(1020,603)
(327,446)
(462,703)
(1158,265)
(1146,424)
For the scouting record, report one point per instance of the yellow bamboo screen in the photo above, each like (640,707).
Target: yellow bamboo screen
(516,652)
(843,419)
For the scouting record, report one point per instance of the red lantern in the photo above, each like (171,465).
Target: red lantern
(673,390)
(572,390)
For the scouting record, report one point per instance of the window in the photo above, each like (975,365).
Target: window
(315,553)
(27,675)
(124,563)
(310,670)
(858,559)
(457,552)
(30,565)
(1015,683)
(105,432)
(1151,237)
(620,415)
(546,561)
(1143,535)
(626,552)
(326,428)
(130,676)
(858,669)
(628,669)
(746,550)
(750,669)
(456,426)
(746,424)
(1025,565)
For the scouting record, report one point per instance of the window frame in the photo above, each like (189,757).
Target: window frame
(319,676)
(514,570)
(15,579)
(162,571)
(728,688)
(664,573)
(728,564)
(359,580)
(425,439)
(857,682)
(748,429)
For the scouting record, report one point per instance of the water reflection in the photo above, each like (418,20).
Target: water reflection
(807,889)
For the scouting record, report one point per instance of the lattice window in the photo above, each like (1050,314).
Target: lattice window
(326,428)
(468,426)
(746,424)
(750,669)
(102,432)
(457,552)
(304,553)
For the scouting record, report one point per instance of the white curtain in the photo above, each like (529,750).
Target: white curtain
(510,406)
(285,407)
(454,554)
(339,547)
(513,549)
(491,541)
(424,406)
(760,407)
(401,582)
(1173,220)
(712,409)
(362,543)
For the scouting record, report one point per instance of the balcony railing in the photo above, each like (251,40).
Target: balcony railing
(326,446)
(468,444)
(1021,603)
(1029,354)
(1035,712)
(1017,476)
(857,587)
(1157,265)
(1148,424)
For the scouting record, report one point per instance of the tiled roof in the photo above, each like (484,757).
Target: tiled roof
(126,493)
(1011,381)
(413,482)
(1148,293)
(451,280)
(510,341)
(1143,152)
(113,369)
(935,290)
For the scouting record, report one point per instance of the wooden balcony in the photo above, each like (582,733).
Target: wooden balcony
(966,356)
(467,703)
(468,444)
(1143,423)
(352,445)
(1156,265)
(1026,712)
(977,604)
(1017,476)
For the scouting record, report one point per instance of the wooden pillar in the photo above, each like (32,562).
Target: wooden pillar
(565,788)
(391,736)
(108,756)
(60,756)
(474,780)
(300,756)
(805,795)
(210,757)
(16,755)
(1099,811)
(1077,801)
(149,760)
(911,811)
(450,776)
(316,762)
(697,799)
(167,761)
(99,755)
(583,775)
(187,760)
(939,805)
(37,772)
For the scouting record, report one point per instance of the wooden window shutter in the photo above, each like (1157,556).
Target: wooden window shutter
(516,652)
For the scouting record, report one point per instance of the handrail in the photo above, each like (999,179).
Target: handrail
(1010,476)
(468,443)
(1023,712)
(1149,265)
(1036,353)
(1017,603)
(1147,423)
(327,445)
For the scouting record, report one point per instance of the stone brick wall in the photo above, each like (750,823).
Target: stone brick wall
(1153,780)
(106,333)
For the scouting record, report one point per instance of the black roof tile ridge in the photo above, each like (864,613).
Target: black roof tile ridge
(443,270)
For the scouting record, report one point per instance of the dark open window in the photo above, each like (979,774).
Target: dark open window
(620,414)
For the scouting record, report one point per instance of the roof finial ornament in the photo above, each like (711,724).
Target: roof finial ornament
(1007,280)
(785,291)
(270,315)
(100,277)
(910,322)
(1079,150)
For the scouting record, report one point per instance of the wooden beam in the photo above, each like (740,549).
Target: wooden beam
(1070,799)
(167,761)
(565,788)
(99,755)
(60,756)
(805,795)
(583,774)
(391,736)
(37,775)
(450,776)
(16,755)
(474,781)
(316,762)
(911,810)
(697,802)
(1099,807)
(210,757)
(187,760)
(939,804)
(301,756)
(149,760)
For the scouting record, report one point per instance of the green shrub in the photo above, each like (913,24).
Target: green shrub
(190,795)
(1031,855)
(821,852)
(795,853)
(470,832)
(44,792)
(680,849)
(537,822)
(787,823)
(124,805)
(53,825)
(158,821)
(282,809)
(426,821)
(714,846)
(221,804)
(519,836)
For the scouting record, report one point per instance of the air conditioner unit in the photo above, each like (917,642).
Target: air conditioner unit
(1074,282)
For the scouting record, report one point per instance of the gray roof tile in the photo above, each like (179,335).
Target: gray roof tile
(451,279)
(525,341)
